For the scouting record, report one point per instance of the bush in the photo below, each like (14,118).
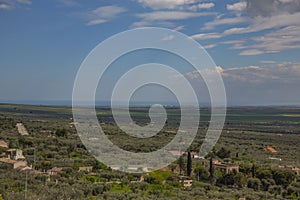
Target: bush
(275,189)
(254,183)
(283,177)
(223,153)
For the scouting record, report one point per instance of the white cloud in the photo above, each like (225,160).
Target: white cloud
(258,23)
(5,6)
(236,31)
(258,85)
(205,5)
(168,37)
(103,14)
(179,28)
(176,5)
(240,6)
(275,41)
(210,46)
(282,39)
(170,15)
(96,21)
(204,36)
(264,23)
(11,4)
(286,1)
(254,52)
(282,33)
(165,18)
(224,21)
(165,11)
(165,4)
(256,74)
(200,6)
(239,46)
(272,7)
(233,42)
(283,72)
(219,69)
(251,52)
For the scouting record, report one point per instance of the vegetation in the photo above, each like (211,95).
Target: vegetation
(53,142)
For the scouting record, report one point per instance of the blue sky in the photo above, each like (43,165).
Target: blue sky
(255,43)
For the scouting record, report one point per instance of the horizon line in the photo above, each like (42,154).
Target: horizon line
(68,103)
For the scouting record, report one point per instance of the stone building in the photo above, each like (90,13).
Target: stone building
(12,164)
(15,154)
(226,168)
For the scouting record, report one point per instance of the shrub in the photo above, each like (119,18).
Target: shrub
(254,183)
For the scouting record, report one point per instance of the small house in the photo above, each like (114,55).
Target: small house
(54,171)
(184,180)
(226,168)
(15,154)
(13,164)
(187,182)
(86,169)
(271,150)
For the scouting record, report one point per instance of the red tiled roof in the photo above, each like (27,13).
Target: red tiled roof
(271,149)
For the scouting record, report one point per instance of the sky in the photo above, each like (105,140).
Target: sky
(254,43)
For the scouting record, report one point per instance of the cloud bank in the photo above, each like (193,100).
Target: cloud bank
(259,85)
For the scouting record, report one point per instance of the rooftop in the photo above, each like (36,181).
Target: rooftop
(3,144)
(226,164)
(9,161)
(10,150)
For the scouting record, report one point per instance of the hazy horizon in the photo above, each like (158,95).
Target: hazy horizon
(68,103)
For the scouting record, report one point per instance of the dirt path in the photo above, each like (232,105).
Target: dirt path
(21,129)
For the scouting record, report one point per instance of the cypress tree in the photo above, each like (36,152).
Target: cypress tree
(181,165)
(212,176)
(189,164)
(253,170)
